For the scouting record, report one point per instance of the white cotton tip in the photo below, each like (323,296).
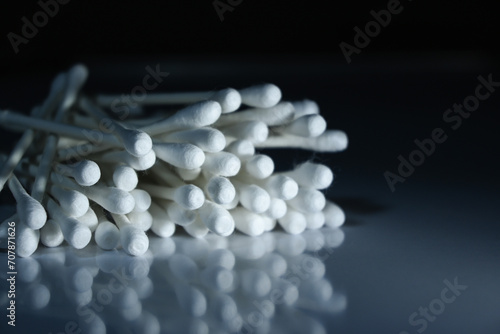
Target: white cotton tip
(229,99)
(255,282)
(86,172)
(331,141)
(217,278)
(207,139)
(162,225)
(197,115)
(260,166)
(133,240)
(234,203)
(241,148)
(253,197)
(253,131)
(217,219)
(269,223)
(197,229)
(138,163)
(142,220)
(77,76)
(30,211)
(312,175)
(142,200)
(308,200)
(179,215)
(26,240)
(51,234)
(111,198)
(306,126)
(293,222)
(220,190)
(136,142)
(188,174)
(73,203)
(89,219)
(305,107)
(182,155)
(334,215)
(222,164)
(261,96)
(75,233)
(277,208)
(125,178)
(107,235)
(189,196)
(315,220)
(281,186)
(247,221)
(221,257)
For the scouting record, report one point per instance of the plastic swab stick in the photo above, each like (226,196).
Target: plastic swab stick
(197,115)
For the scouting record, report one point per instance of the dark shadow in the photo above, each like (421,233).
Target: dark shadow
(358,205)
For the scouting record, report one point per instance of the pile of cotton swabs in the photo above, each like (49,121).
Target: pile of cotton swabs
(89,173)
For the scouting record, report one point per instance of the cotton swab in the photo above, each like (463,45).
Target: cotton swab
(26,239)
(162,225)
(216,218)
(241,148)
(315,220)
(305,126)
(305,107)
(85,172)
(178,214)
(197,115)
(137,163)
(277,208)
(197,229)
(247,221)
(72,202)
(280,114)
(133,240)
(293,222)
(125,177)
(208,139)
(260,96)
(312,175)
(308,200)
(142,220)
(142,200)
(51,234)
(280,186)
(75,233)
(329,141)
(222,164)
(253,131)
(189,196)
(107,235)
(334,215)
(30,211)
(136,142)
(259,166)
(252,197)
(89,219)
(229,98)
(220,190)
(110,198)
(182,155)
